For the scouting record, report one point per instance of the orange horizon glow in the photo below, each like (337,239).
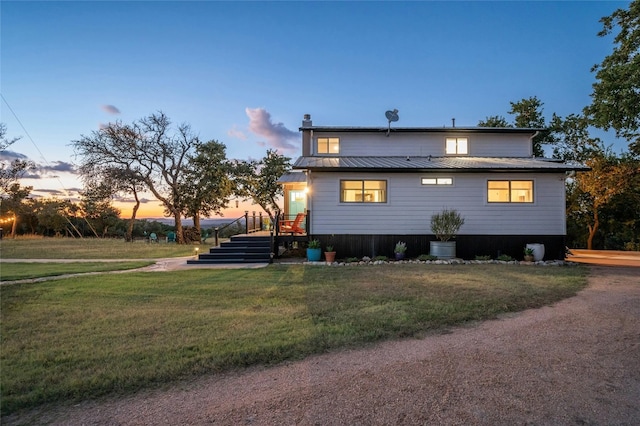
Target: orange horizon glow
(153,210)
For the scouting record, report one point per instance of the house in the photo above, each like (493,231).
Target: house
(365,188)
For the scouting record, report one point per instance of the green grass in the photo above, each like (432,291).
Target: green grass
(27,270)
(92,248)
(86,337)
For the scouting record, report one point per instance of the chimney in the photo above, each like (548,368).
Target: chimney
(306,135)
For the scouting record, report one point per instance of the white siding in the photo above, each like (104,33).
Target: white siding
(410,205)
(425,144)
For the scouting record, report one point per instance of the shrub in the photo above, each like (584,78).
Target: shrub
(314,244)
(400,247)
(505,258)
(446,224)
(483,257)
(425,257)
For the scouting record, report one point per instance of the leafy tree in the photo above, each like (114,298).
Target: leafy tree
(574,143)
(494,121)
(616,93)
(51,215)
(111,180)
(257,180)
(207,185)
(595,189)
(528,114)
(148,152)
(97,209)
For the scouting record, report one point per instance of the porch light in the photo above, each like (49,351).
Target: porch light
(306,190)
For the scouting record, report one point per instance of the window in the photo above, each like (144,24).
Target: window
(510,191)
(363,191)
(328,145)
(437,181)
(456,146)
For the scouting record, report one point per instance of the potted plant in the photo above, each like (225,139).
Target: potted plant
(528,254)
(314,251)
(400,249)
(329,254)
(445,226)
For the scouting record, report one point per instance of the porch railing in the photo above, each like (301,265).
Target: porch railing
(252,223)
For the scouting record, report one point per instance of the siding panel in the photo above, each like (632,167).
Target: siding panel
(410,205)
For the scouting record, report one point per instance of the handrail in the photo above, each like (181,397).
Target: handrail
(248,229)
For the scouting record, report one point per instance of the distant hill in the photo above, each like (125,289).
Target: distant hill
(204,223)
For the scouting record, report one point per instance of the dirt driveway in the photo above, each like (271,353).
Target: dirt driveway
(577,362)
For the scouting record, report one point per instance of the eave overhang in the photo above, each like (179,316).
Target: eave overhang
(435,164)
(452,130)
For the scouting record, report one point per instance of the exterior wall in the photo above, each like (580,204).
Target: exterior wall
(425,144)
(410,205)
(467,246)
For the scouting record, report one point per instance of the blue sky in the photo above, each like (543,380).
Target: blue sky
(245,73)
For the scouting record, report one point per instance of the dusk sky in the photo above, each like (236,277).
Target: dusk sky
(245,73)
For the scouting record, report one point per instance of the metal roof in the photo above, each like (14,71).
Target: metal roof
(421,129)
(292,177)
(402,164)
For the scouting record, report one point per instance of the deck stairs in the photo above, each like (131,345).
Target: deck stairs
(239,249)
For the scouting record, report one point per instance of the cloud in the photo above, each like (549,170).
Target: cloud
(10,156)
(276,134)
(234,132)
(58,166)
(110,109)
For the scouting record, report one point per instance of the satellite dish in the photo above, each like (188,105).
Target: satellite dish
(391,116)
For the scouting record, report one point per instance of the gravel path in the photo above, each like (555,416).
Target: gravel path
(574,363)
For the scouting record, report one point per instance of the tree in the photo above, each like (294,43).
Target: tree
(608,177)
(528,115)
(207,185)
(12,193)
(111,180)
(573,140)
(257,180)
(494,121)
(615,100)
(149,153)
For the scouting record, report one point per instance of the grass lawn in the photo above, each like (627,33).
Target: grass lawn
(90,336)
(92,248)
(21,271)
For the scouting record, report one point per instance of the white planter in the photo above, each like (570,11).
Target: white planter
(538,251)
(442,249)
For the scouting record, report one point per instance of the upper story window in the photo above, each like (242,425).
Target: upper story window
(456,146)
(510,191)
(437,181)
(363,191)
(328,146)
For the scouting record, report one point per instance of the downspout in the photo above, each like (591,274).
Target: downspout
(309,201)
(531,139)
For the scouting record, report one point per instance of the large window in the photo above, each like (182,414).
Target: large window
(363,191)
(456,146)
(328,145)
(510,191)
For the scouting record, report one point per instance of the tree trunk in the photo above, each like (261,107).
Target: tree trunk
(593,229)
(178,224)
(196,224)
(129,236)
(14,227)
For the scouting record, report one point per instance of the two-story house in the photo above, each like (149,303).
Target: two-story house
(365,188)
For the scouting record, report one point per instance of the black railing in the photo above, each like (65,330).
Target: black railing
(252,223)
